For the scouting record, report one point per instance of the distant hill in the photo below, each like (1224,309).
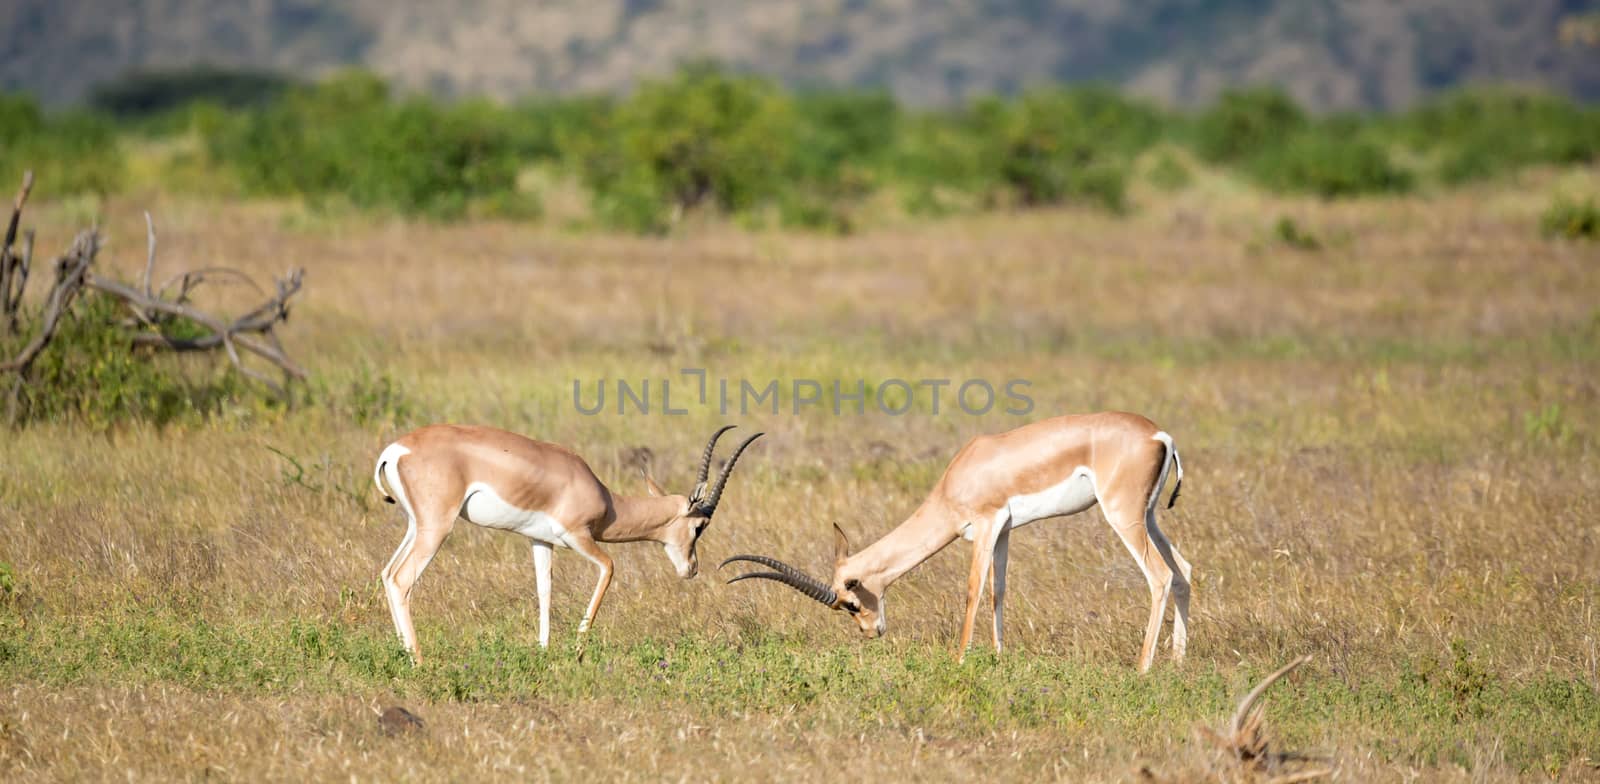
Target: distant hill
(1330,54)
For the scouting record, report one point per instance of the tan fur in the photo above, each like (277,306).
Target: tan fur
(1128,465)
(444,460)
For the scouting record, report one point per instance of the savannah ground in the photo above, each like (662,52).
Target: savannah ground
(1389,453)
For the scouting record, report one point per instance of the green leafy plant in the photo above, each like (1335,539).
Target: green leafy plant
(704,138)
(1289,232)
(1571,219)
(1480,133)
(1055,146)
(1168,173)
(1242,123)
(72,152)
(1547,424)
(91,375)
(347,138)
(1329,164)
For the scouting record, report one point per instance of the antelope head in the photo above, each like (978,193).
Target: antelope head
(853,589)
(680,535)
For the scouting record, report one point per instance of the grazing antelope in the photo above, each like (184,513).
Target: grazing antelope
(502,480)
(996,483)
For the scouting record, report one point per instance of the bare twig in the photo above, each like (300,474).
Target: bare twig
(190,280)
(150,252)
(222,334)
(71,273)
(14,276)
(24,266)
(16,207)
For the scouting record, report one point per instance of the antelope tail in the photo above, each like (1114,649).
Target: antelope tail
(1172,450)
(377,477)
(1172,458)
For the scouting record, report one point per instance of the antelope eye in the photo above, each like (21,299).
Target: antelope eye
(851,607)
(851,585)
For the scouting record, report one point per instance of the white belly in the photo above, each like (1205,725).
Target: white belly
(1073,495)
(485,507)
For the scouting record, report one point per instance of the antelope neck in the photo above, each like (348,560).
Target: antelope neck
(639,518)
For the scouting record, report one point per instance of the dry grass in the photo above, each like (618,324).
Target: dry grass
(1390,456)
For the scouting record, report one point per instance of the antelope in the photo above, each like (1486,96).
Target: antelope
(506,481)
(997,483)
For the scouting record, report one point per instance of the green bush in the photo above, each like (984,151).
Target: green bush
(937,155)
(69,153)
(843,130)
(1243,123)
(346,138)
(704,138)
(842,141)
(1481,133)
(1329,164)
(1054,146)
(90,374)
(1288,232)
(549,129)
(1168,173)
(1571,219)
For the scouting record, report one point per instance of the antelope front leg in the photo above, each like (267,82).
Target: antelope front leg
(542,553)
(586,546)
(982,554)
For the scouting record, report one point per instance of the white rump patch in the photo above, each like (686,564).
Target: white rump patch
(483,506)
(387,474)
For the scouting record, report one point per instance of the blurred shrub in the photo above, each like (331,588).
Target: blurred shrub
(1571,219)
(939,160)
(1288,231)
(69,153)
(1329,163)
(1475,134)
(842,140)
(1059,145)
(1242,123)
(707,138)
(89,375)
(548,129)
(1168,173)
(345,137)
(703,138)
(841,129)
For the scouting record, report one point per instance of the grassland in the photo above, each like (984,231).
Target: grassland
(1390,458)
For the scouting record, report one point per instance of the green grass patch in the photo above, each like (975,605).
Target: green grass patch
(1431,712)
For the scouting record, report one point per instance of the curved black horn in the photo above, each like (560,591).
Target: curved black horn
(705,460)
(788,575)
(711,499)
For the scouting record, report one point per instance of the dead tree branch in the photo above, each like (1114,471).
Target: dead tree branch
(70,277)
(162,322)
(14,271)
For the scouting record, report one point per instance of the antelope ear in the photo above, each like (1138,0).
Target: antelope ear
(841,545)
(650,484)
